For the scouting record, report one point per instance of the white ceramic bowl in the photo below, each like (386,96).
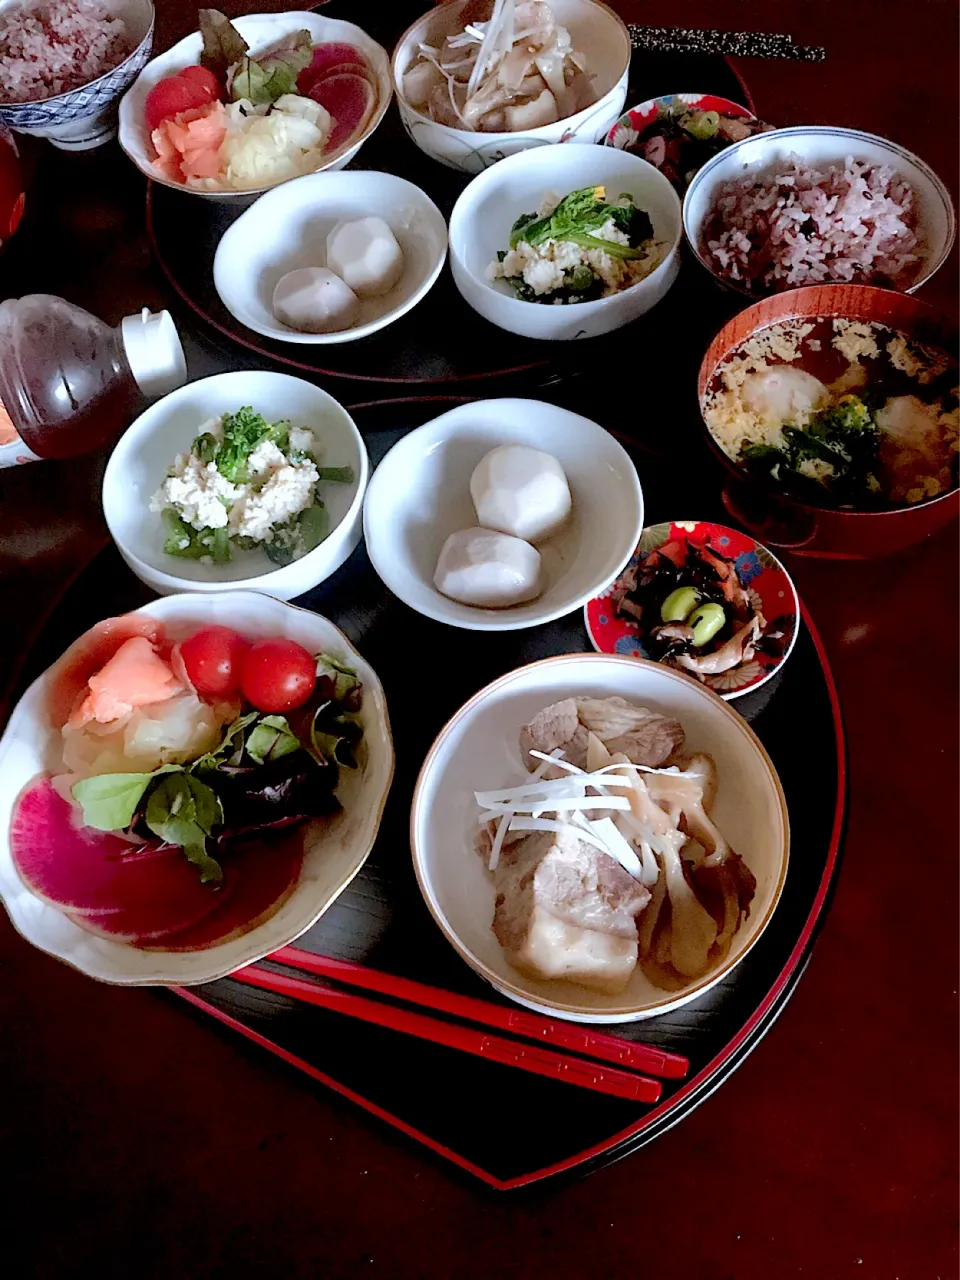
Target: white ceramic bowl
(147,448)
(478,749)
(287,229)
(480,228)
(596,32)
(420,494)
(822,145)
(261,31)
(335,849)
(86,117)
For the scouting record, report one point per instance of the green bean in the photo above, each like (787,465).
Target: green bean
(679,604)
(706,622)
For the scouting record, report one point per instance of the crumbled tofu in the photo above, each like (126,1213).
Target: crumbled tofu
(301,440)
(288,492)
(265,459)
(198,491)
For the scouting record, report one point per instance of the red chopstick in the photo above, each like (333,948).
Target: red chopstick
(561,1035)
(542,1062)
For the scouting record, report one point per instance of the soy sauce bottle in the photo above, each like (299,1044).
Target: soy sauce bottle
(71,384)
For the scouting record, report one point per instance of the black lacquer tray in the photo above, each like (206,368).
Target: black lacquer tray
(442,341)
(507,1135)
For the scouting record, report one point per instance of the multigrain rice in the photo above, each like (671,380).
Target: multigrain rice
(58,46)
(800,225)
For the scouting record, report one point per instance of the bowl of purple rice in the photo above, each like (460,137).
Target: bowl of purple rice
(814,205)
(65,64)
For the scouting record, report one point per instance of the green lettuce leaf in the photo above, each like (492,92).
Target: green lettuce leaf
(271,739)
(270,76)
(182,810)
(109,800)
(229,749)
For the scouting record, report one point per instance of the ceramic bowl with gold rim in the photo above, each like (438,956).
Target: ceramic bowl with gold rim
(478,750)
(334,849)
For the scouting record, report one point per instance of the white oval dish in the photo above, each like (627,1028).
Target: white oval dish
(287,229)
(147,448)
(420,494)
(819,145)
(335,849)
(595,31)
(261,31)
(487,209)
(478,750)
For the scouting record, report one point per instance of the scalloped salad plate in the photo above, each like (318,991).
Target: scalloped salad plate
(334,849)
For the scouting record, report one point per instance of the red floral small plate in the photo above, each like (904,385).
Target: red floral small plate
(759,572)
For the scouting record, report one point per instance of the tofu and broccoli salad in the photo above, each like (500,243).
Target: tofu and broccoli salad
(246,484)
(578,249)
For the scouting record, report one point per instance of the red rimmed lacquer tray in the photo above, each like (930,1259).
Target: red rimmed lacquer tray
(442,342)
(493,1121)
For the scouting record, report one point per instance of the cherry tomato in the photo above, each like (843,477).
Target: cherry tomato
(204,78)
(213,658)
(278,675)
(171,96)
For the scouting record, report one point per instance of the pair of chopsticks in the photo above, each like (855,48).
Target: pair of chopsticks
(741,44)
(619,1081)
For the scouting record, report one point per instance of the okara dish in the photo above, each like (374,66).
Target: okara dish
(246,485)
(843,413)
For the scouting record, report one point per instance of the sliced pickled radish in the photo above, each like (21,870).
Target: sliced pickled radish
(350,99)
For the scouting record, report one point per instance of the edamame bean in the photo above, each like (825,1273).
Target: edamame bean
(706,622)
(679,604)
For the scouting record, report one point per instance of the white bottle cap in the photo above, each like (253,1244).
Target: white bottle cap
(154,352)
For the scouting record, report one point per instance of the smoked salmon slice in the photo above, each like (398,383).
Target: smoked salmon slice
(136,676)
(68,677)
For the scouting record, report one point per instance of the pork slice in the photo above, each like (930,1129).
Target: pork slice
(564,910)
(642,735)
(549,729)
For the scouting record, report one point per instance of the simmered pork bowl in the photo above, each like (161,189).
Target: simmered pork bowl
(470,94)
(599,837)
(189,787)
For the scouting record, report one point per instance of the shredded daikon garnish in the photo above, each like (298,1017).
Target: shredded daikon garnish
(501,831)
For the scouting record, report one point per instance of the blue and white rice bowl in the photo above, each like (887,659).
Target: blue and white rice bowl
(84,118)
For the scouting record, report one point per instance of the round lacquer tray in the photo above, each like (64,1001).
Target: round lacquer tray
(442,341)
(508,1135)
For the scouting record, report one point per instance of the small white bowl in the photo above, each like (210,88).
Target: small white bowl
(287,229)
(487,209)
(334,852)
(478,750)
(822,145)
(595,31)
(420,494)
(261,31)
(84,118)
(145,451)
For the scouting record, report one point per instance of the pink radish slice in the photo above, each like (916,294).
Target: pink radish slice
(334,53)
(92,873)
(350,99)
(347,69)
(263,872)
(152,921)
(67,678)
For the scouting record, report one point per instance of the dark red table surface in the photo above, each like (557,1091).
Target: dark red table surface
(143,1142)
